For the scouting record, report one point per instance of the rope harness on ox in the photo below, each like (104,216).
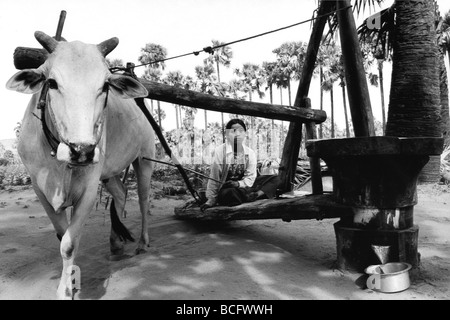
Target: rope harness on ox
(43,105)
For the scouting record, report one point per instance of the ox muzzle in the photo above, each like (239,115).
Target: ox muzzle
(78,154)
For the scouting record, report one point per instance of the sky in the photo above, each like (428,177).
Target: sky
(181,26)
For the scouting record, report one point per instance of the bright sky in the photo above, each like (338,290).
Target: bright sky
(181,26)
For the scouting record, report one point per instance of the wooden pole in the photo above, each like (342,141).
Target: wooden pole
(355,75)
(293,139)
(314,162)
(59,29)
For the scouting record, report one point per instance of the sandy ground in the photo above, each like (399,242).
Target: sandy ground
(254,260)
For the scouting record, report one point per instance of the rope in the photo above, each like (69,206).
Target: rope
(210,49)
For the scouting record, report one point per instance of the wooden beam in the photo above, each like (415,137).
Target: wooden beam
(355,75)
(175,95)
(293,139)
(314,162)
(301,208)
(372,146)
(29,58)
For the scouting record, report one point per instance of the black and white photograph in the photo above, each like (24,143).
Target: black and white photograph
(225,156)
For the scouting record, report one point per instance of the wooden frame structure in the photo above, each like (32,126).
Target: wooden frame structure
(361,116)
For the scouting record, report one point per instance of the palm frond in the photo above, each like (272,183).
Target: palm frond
(359,6)
(382,37)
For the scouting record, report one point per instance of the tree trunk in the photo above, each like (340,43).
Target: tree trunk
(414,107)
(289,92)
(281,125)
(332,111)
(445,116)
(221,114)
(321,100)
(159,115)
(272,126)
(347,129)
(176,114)
(383,106)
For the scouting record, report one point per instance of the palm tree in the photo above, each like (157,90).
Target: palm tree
(444,45)
(175,78)
(414,108)
(115,63)
(153,74)
(221,54)
(331,74)
(290,59)
(342,83)
(268,70)
(321,61)
(252,81)
(206,78)
(153,55)
(419,93)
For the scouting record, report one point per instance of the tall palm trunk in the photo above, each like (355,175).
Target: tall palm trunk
(159,114)
(383,107)
(344,100)
(415,106)
(332,111)
(321,100)
(272,125)
(221,114)
(281,126)
(445,116)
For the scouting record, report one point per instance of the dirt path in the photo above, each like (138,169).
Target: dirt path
(255,260)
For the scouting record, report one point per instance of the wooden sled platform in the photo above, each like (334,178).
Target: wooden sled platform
(286,208)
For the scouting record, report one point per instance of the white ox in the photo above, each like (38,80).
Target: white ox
(100,134)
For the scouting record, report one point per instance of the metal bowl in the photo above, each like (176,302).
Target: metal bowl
(389,277)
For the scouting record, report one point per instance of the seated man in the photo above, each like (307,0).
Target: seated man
(233,172)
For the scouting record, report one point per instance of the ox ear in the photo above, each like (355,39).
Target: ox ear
(26,81)
(127,87)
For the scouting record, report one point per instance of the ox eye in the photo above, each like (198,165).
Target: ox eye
(52,84)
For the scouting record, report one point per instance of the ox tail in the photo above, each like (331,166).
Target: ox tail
(118,226)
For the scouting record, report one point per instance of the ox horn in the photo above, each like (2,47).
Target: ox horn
(46,41)
(108,45)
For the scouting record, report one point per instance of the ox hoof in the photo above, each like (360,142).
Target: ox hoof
(65,294)
(140,250)
(117,251)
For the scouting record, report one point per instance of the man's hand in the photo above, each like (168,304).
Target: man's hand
(231,184)
(205,206)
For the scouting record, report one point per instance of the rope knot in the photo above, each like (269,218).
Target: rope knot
(209,50)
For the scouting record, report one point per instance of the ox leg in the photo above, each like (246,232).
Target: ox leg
(119,232)
(143,171)
(71,240)
(59,220)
